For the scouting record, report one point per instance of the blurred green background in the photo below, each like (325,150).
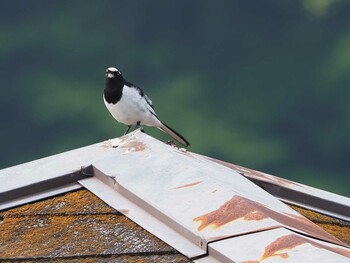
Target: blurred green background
(263,84)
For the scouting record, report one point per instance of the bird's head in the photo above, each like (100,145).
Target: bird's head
(112,73)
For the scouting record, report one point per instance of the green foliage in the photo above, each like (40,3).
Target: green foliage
(263,84)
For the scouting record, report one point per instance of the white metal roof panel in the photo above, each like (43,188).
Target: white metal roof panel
(53,166)
(49,176)
(275,245)
(295,193)
(198,198)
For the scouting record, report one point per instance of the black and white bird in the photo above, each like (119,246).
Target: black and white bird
(129,105)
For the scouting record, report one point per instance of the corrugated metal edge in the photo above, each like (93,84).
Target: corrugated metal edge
(295,193)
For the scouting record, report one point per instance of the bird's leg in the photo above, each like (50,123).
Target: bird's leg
(137,125)
(127,129)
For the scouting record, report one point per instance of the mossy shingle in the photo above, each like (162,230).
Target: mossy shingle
(336,227)
(78,226)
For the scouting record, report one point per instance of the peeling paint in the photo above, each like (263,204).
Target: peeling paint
(187,185)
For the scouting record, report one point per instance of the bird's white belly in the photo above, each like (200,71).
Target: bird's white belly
(132,108)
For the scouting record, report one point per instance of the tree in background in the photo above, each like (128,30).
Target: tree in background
(263,84)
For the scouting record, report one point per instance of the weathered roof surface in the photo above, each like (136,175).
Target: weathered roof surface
(78,226)
(337,227)
(276,245)
(39,231)
(295,193)
(195,204)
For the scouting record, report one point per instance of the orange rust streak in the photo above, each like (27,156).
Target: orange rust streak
(237,207)
(284,255)
(282,243)
(240,207)
(291,241)
(187,185)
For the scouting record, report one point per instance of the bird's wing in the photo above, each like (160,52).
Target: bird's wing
(148,100)
(150,106)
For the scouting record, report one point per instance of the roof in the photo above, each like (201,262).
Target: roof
(204,209)
(78,226)
(295,193)
(335,226)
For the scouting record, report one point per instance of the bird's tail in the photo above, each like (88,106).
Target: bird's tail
(165,128)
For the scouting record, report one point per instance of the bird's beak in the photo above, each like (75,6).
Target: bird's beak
(109,75)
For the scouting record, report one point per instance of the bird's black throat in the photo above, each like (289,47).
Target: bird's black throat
(113,89)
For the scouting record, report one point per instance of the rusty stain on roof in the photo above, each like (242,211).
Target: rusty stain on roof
(133,146)
(237,207)
(288,242)
(187,185)
(79,226)
(278,245)
(283,243)
(240,207)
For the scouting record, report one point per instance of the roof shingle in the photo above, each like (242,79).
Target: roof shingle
(78,226)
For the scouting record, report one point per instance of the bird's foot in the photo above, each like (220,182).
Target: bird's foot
(171,143)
